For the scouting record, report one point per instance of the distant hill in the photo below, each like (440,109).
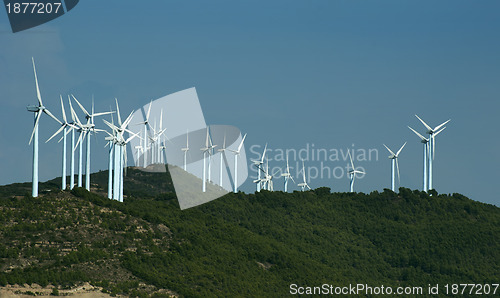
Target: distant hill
(241,244)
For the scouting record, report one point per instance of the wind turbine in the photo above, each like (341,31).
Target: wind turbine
(207,150)
(258,164)
(90,127)
(119,143)
(185,150)
(303,185)
(424,141)
(63,129)
(287,175)
(353,172)
(268,178)
(37,110)
(236,154)
(394,158)
(432,132)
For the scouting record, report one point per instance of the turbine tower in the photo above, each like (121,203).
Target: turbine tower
(37,110)
(352,173)
(303,185)
(287,174)
(394,158)
(236,154)
(222,154)
(432,132)
(185,150)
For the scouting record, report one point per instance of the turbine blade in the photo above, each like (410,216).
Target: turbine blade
(127,121)
(206,141)
(425,124)
(350,157)
(149,111)
(441,125)
(397,166)
(388,149)
(62,109)
(419,135)
(303,171)
(241,144)
(131,137)
(81,106)
(161,119)
(399,151)
(52,116)
(38,114)
(263,154)
(79,140)
(101,113)
(56,133)
(73,113)
(38,95)
(118,112)
(439,131)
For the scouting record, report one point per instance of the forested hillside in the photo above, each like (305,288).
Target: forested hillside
(242,244)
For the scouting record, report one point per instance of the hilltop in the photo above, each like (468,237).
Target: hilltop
(241,244)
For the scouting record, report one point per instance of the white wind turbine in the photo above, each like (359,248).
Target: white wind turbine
(185,150)
(258,164)
(394,158)
(303,185)
(267,181)
(287,174)
(236,154)
(207,150)
(37,110)
(119,143)
(90,128)
(63,129)
(352,173)
(432,132)
(425,141)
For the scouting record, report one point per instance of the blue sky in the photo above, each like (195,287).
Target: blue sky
(290,73)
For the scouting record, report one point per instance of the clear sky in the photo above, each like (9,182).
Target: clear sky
(290,73)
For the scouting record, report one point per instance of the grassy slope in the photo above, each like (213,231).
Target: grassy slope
(250,245)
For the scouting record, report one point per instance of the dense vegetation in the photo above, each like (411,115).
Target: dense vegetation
(243,244)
